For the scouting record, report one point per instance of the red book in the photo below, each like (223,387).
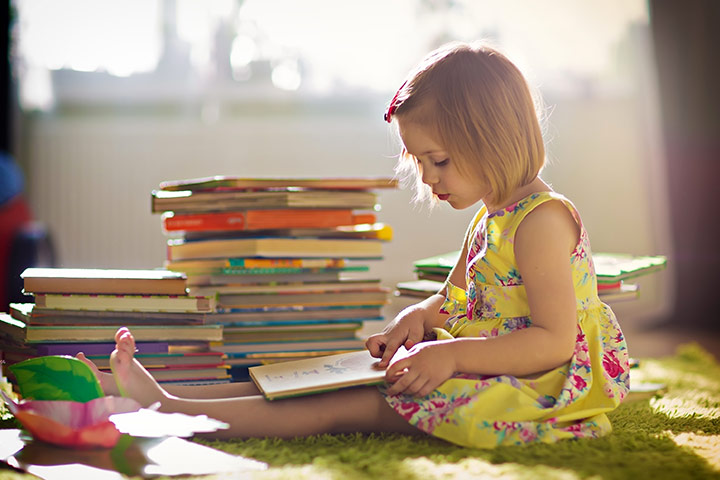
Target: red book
(263,219)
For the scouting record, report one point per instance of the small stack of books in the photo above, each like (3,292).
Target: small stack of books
(283,257)
(612,271)
(79,310)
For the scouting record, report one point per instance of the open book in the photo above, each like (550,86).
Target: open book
(318,375)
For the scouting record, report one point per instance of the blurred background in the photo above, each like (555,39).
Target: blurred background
(105,99)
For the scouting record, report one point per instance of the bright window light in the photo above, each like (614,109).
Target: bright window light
(318,47)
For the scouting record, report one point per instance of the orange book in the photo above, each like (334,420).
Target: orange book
(263,219)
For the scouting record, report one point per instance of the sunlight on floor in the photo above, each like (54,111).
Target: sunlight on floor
(706,446)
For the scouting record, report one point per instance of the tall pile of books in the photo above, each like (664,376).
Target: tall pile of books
(613,271)
(286,260)
(79,310)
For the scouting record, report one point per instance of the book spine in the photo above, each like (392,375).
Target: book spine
(140,303)
(264,219)
(97,348)
(249,263)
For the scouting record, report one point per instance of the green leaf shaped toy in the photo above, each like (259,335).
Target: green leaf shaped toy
(56,377)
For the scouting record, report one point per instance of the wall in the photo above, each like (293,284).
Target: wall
(90,178)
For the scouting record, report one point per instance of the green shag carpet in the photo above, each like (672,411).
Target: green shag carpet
(675,435)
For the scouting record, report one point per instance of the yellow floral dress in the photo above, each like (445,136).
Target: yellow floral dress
(570,401)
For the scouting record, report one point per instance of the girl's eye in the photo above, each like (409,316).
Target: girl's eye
(442,163)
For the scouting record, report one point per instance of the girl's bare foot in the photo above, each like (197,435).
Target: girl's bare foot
(107,382)
(132,379)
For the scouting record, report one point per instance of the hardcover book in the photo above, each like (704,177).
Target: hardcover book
(130,303)
(615,267)
(376,296)
(376,231)
(27,313)
(187,201)
(263,219)
(103,281)
(244,349)
(425,288)
(21,332)
(274,247)
(609,267)
(226,181)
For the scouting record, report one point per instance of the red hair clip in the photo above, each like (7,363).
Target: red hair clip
(393,105)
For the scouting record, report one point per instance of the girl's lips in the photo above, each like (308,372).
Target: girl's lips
(444,196)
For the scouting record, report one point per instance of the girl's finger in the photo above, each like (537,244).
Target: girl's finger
(375,345)
(390,348)
(401,385)
(413,339)
(426,389)
(397,367)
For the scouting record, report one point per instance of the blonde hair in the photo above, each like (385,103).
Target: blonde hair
(481,110)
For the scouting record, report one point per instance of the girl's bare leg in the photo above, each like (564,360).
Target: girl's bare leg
(354,410)
(222,390)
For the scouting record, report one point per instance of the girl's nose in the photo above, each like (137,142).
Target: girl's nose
(429,176)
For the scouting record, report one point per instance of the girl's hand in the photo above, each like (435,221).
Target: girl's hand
(407,329)
(427,365)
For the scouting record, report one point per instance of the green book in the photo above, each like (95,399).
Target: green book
(616,267)
(609,267)
(442,263)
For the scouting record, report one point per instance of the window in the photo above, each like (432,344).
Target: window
(141,52)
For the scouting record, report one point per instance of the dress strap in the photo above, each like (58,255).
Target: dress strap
(522,208)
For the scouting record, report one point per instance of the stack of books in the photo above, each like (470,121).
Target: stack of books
(612,271)
(79,310)
(284,258)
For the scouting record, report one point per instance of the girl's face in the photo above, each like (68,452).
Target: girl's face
(438,170)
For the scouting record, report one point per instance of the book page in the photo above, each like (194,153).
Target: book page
(319,374)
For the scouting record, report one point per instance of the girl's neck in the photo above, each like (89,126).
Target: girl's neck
(537,185)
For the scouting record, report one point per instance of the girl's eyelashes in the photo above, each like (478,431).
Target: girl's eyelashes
(435,163)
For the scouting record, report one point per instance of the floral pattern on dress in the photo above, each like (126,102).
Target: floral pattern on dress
(486,411)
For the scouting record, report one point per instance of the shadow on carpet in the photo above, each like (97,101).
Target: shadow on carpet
(672,436)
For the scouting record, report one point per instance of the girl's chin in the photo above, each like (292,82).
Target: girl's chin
(459,204)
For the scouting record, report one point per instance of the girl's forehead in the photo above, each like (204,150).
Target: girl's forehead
(418,140)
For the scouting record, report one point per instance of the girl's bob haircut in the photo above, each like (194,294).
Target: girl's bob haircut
(482,112)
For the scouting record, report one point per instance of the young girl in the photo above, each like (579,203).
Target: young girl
(516,347)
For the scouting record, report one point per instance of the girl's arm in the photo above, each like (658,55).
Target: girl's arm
(544,242)
(409,327)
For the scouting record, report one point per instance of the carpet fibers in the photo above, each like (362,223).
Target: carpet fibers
(675,435)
